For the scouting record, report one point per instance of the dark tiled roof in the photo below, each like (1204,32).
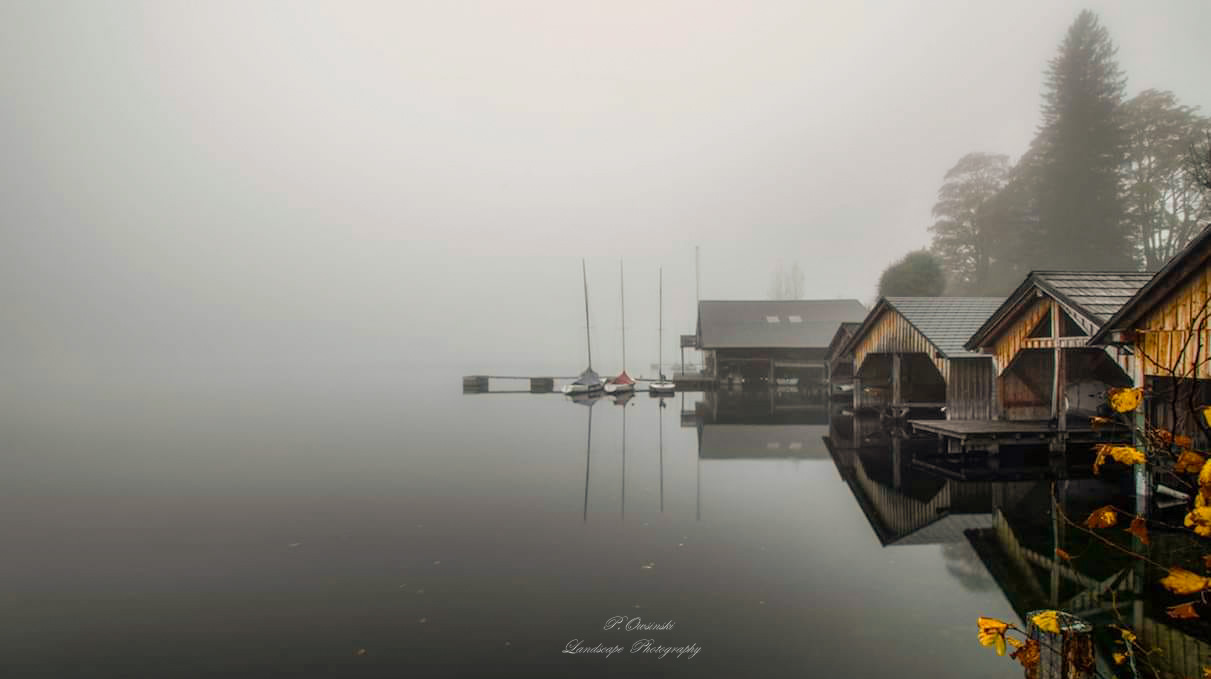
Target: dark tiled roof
(1195,254)
(801,323)
(1096,295)
(947,322)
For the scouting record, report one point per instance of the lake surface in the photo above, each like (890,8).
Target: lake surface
(388,527)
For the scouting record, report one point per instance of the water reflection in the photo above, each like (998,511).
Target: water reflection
(1007,531)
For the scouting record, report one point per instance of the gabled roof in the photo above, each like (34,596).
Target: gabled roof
(1186,263)
(1094,295)
(841,337)
(782,324)
(946,322)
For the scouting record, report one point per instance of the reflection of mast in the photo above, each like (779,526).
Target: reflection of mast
(587,453)
(624,461)
(660,429)
(698,491)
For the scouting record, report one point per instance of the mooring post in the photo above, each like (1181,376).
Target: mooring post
(1066,655)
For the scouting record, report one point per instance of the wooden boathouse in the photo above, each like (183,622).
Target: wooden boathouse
(1039,340)
(1165,324)
(840,362)
(756,343)
(909,354)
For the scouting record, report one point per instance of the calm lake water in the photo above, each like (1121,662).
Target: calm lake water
(377,528)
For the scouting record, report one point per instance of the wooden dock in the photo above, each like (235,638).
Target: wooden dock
(483,384)
(962,436)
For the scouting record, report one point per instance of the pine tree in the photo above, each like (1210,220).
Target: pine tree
(1081,142)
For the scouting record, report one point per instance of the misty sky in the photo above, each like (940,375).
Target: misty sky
(237,184)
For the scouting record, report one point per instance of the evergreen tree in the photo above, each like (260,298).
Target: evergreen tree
(1081,144)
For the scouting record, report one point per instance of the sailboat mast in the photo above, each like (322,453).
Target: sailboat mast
(622,296)
(588,341)
(660,347)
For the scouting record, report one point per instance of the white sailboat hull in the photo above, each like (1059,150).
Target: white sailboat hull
(612,388)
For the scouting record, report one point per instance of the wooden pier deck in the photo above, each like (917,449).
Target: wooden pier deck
(989,435)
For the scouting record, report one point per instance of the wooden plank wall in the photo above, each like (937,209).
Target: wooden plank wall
(970,395)
(1171,327)
(1024,393)
(1006,348)
(892,333)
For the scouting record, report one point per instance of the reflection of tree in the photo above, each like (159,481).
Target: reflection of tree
(964,564)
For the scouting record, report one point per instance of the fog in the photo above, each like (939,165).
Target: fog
(229,188)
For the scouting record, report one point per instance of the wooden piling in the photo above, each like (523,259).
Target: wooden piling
(542,385)
(1067,655)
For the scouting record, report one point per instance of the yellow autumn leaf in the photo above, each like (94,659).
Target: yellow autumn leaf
(1139,529)
(1199,519)
(1063,554)
(1124,454)
(1204,475)
(1098,421)
(1048,621)
(1207,561)
(1125,399)
(1206,414)
(1189,462)
(1182,582)
(1102,518)
(1120,658)
(1182,611)
(1128,635)
(1207,673)
(1183,441)
(992,633)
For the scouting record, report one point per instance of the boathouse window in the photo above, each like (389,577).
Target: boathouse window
(771,319)
(795,319)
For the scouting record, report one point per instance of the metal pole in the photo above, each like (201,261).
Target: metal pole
(622,296)
(587,339)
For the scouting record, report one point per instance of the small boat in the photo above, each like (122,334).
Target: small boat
(589,381)
(622,383)
(662,385)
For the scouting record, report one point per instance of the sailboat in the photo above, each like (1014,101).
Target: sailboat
(622,383)
(662,385)
(589,381)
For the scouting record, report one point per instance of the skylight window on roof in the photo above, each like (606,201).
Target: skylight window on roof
(795,319)
(771,319)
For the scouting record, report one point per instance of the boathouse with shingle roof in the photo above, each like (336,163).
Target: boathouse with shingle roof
(909,353)
(1039,341)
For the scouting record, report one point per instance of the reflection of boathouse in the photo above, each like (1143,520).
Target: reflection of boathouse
(1100,585)
(753,425)
(906,506)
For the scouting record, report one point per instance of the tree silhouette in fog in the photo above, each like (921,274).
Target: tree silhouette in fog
(917,274)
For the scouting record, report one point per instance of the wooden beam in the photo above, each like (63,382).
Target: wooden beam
(896,387)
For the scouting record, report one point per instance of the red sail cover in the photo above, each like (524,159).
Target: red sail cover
(623,378)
